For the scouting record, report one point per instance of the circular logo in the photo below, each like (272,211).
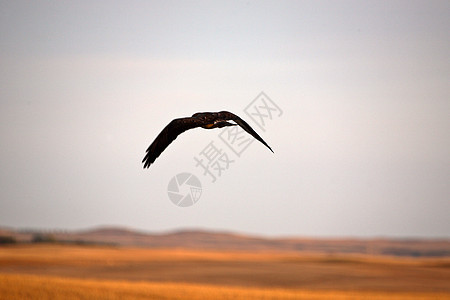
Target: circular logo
(184,189)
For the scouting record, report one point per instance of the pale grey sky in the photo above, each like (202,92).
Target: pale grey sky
(362,147)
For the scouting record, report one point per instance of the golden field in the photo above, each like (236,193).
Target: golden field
(81,272)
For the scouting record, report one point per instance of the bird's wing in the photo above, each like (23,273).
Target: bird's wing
(230,116)
(167,136)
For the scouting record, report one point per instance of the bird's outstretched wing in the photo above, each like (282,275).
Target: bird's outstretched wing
(230,116)
(167,136)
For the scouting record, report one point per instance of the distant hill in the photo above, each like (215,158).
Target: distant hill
(210,240)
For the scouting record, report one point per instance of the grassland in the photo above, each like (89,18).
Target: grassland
(76,272)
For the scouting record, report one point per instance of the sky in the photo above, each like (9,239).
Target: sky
(357,111)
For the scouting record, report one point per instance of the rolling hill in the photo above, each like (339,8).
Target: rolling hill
(210,240)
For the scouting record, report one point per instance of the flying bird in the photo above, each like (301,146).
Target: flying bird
(207,120)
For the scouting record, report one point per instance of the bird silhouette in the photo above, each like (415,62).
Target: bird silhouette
(207,120)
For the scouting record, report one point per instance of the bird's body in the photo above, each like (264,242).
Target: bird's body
(207,120)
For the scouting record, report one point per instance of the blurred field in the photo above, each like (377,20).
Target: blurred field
(36,287)
(77,272)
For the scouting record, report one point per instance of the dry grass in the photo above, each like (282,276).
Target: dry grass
(71,272)
(34,287)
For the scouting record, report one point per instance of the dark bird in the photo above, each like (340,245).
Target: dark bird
(207,120)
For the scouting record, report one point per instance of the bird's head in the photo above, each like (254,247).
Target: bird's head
(201,114)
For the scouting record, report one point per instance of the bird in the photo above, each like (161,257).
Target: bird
(206,120)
